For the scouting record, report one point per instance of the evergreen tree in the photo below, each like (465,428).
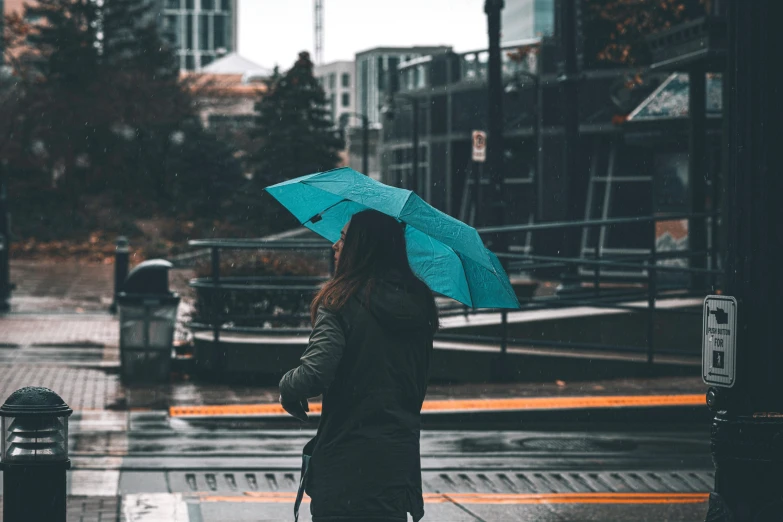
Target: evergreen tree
(293,134)
(65,58)
(205,175)
(152,101)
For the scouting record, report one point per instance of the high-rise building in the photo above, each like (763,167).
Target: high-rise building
(337,80)
(201,30)
(525,19)
(375,68)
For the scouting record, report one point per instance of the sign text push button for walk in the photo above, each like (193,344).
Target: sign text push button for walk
(719,341)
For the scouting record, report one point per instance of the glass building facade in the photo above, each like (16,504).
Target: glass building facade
(375,68)
(524,19)
(201,30)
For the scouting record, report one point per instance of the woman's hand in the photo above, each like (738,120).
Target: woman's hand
(295,408)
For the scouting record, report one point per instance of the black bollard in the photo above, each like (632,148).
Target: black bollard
(121,264)
(34,456)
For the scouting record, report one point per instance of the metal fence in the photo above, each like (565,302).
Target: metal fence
(642,287)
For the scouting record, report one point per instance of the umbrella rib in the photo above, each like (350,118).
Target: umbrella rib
(316,218)
(467,279)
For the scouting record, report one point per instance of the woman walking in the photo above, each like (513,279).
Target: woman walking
(369,355)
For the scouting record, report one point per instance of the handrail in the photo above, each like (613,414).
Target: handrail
(645,287)
(261,244)
(608,264)
(591,223)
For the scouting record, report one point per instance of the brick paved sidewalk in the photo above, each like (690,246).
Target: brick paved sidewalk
(57,329)
(88,509)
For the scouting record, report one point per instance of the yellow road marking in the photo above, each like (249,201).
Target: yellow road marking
(493,498)
(460,405)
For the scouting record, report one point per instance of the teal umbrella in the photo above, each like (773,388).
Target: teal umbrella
(444,252)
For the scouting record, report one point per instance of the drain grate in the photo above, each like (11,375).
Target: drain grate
(571,482)
(686,481)
(229,481)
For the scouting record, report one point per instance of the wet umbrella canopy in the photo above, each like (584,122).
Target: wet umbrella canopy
(445,253)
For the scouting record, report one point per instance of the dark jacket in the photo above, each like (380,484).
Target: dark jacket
(371,361)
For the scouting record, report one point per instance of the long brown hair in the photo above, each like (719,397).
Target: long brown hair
(374,246)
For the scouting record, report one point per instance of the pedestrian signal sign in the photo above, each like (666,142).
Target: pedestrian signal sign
(719,341)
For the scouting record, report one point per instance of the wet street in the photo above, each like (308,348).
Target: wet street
(175,469)
(610,450)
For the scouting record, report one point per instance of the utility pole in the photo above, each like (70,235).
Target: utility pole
(493,10)
(747,431)
(575,184)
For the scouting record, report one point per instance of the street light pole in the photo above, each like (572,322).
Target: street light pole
(493,10)
(747,431)
(575,189)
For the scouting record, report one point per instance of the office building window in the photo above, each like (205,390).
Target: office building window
(203,35)
(206,59)
(394,82)
(346,81)
(381,74)
(220,31)
(332,81)
(172,4)
(207,5)
(346,99)
(189,21)
(190,4)
(190,62)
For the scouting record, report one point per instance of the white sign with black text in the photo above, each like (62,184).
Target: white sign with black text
(479,146)
(719,341)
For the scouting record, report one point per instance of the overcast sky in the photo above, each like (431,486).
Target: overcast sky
(275,31)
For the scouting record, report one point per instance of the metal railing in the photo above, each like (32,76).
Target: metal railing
(643,287)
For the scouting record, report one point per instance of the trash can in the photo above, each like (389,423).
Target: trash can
(148,318)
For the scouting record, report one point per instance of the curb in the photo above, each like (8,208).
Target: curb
(687,409)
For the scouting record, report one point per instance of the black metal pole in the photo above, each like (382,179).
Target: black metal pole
(414,183)
(574,177)
(5,249)
(121,265)
(652,291)
(697,232)
(477,177)
(539,123)
(747,429)
(217,309)
(494,163)
(23,486)
(365,145)
(493,10)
